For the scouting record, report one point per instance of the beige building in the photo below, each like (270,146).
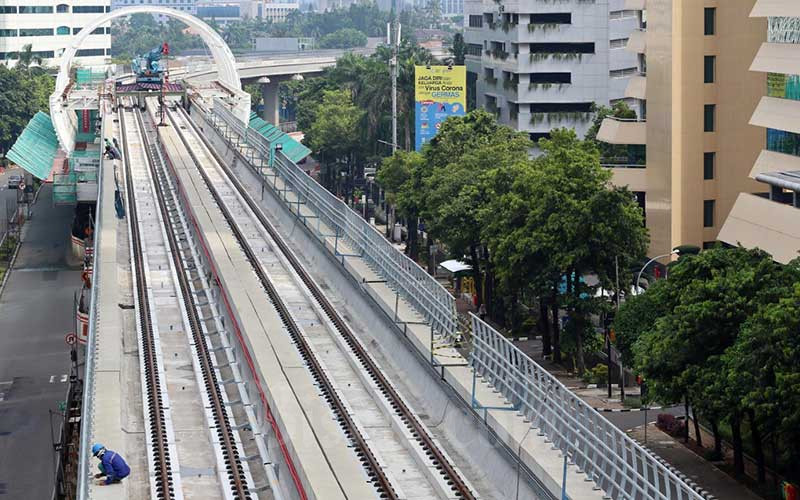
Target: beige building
(772,222)
(697,98)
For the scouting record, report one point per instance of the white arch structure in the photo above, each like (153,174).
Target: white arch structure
(223,58)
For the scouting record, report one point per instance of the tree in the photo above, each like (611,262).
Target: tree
(556,219)
(457,159)
(334,135)
(26,57)
(401,175)
(686,353)
(344,38)
(458,50)
(23,92)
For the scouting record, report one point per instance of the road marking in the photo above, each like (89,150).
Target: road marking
(61,378)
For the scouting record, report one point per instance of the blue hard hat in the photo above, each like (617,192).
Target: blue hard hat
(97,448)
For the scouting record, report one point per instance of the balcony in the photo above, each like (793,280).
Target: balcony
(777,58)
(637,87)
(557,118)
(759,222)
(777,113)
(776,8)
(637,42)
(623,131)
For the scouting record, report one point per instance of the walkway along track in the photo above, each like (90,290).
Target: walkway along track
(437,470)
(233,474)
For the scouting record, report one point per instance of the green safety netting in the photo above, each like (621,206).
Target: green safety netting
(86,76)
(36,147)
(290,147)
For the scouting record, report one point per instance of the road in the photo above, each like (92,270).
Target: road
(8,197)
(35,314)
(630,419)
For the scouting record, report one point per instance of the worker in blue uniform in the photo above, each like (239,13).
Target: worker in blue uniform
(112,465)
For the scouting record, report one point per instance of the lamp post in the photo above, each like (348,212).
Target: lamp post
(639,277)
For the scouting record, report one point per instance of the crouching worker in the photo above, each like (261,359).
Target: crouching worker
(112,465)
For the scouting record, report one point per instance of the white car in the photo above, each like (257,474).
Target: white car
(14,180)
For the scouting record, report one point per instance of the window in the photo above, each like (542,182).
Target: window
(90,52)
(709,111)
(562,48)
(476,21)
(709,64)
(6,33)
(88,9)
(710,20)
(622,73)
(62,8)
(44,54)
(708,213)
(474,49)
(551,77)
(553,18)
(98,31)
(8,9)
(35,9)
(62,30)
(708,165)
(535,136)
(36,32)
(618,43)
(75,31)
(561,107)
(621,14)
(108,52)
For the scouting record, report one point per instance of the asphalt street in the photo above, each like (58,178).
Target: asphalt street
(8,197)
(35,314)
(630,419)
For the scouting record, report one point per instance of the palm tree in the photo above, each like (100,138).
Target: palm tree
(26,58)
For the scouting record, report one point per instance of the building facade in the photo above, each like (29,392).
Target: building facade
(184,5)
(540,65)
(696,101)
(226,11)
(48,25)
(771,220)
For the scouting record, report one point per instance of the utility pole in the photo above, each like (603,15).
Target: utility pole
(393,37)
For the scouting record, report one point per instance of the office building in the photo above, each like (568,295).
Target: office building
(226,11)
(48,26)
(184,5)
(542,65)
(697,95)
(771,220)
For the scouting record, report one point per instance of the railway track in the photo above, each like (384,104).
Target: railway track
(411,464)
(186,416)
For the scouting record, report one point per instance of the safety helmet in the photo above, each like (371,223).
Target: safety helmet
(97,449)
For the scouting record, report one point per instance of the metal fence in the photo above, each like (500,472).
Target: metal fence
(426,295)
(87,406)
(615,462)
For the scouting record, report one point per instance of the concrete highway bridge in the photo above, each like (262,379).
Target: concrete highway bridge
(248,335)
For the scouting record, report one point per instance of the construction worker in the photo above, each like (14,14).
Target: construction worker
(112,465)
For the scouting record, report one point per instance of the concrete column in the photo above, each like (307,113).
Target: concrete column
(269,92)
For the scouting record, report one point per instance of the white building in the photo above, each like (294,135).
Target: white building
(48,25)
(184,5)
(542,65)
(226,11)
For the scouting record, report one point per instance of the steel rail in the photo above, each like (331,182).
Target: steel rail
(236,475)
(441,462)
(163,469)
(363,451)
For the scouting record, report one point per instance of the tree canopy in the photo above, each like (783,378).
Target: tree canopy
(23,91)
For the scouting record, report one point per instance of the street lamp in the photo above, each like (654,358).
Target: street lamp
(639,277)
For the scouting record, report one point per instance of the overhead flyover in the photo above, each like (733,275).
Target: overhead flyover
(228,76)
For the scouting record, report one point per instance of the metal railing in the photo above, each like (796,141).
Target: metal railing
(87,406)
(616,463)
(426,295)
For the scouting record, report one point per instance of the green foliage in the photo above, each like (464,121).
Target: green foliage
(23,92)
(140,33)
(334,133)
(721,332)
(615,153)
(344,38)
(458,50)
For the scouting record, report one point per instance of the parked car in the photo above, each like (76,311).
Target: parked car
(14,180)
